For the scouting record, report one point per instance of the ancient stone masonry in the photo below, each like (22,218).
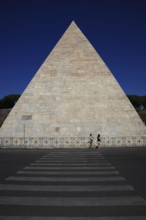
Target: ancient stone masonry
(71,95)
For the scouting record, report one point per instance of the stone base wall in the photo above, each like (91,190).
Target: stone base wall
(74,142)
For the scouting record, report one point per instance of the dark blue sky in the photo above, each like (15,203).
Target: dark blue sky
(29,29)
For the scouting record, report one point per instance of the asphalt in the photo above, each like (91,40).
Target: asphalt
(73,184)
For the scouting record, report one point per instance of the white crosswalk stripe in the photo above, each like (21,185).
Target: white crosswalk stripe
(66,179)
(78,201)
(37,166)
(66,188)
(71,218)
(69,172)
(69,163)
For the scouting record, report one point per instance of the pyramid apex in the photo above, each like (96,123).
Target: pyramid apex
(73,23)
(73,27)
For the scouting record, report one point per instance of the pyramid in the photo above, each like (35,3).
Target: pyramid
(72,95)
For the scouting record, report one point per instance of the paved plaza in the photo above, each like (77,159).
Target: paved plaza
(73,184)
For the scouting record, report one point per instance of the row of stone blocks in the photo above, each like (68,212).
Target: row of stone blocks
(70,142)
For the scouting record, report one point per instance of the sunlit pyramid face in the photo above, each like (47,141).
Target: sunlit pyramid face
(72,95)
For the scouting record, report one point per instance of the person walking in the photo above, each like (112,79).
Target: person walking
(98,141)
(90,140)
